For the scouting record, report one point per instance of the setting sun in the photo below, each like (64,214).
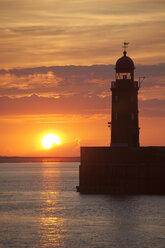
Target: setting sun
(50,139)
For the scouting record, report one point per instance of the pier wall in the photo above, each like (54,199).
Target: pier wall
(122,170)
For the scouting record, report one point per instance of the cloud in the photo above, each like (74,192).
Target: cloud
(43,105)
(72,105)
(151,70)
(92,6)
(35,33)
(151,108)
(74,90)
(71,80)
(56,81)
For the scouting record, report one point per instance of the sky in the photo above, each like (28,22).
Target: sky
(56,65)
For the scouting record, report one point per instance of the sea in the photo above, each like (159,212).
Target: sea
(39,207)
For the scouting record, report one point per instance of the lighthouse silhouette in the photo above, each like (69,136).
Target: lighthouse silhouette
(124,118)
(124,167)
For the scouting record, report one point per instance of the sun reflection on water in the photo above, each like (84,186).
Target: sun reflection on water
(51,232)
(52,219)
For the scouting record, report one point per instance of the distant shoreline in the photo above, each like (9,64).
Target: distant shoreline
(38,159)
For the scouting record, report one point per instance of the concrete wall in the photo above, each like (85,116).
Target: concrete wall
(122,170)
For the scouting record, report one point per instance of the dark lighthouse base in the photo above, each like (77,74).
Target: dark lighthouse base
(121,170)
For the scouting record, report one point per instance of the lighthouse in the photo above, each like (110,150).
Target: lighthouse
(124,167)
(124,117)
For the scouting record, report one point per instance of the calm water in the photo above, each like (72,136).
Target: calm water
(39,207)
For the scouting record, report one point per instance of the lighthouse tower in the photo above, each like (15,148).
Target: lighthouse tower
(124,168)
(124,118)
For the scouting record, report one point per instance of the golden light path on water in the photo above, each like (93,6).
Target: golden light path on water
(52,224)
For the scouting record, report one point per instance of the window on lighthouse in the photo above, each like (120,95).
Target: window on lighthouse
(122,75)
(116,98)
(132,98)
(115,115)
(132,116)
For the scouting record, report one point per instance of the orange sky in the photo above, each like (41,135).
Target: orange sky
(47,79)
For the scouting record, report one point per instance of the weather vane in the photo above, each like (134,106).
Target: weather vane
(125,45)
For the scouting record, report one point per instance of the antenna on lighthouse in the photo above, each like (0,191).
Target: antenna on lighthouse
(141,79)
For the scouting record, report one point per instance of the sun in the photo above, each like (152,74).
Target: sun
(50,139)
